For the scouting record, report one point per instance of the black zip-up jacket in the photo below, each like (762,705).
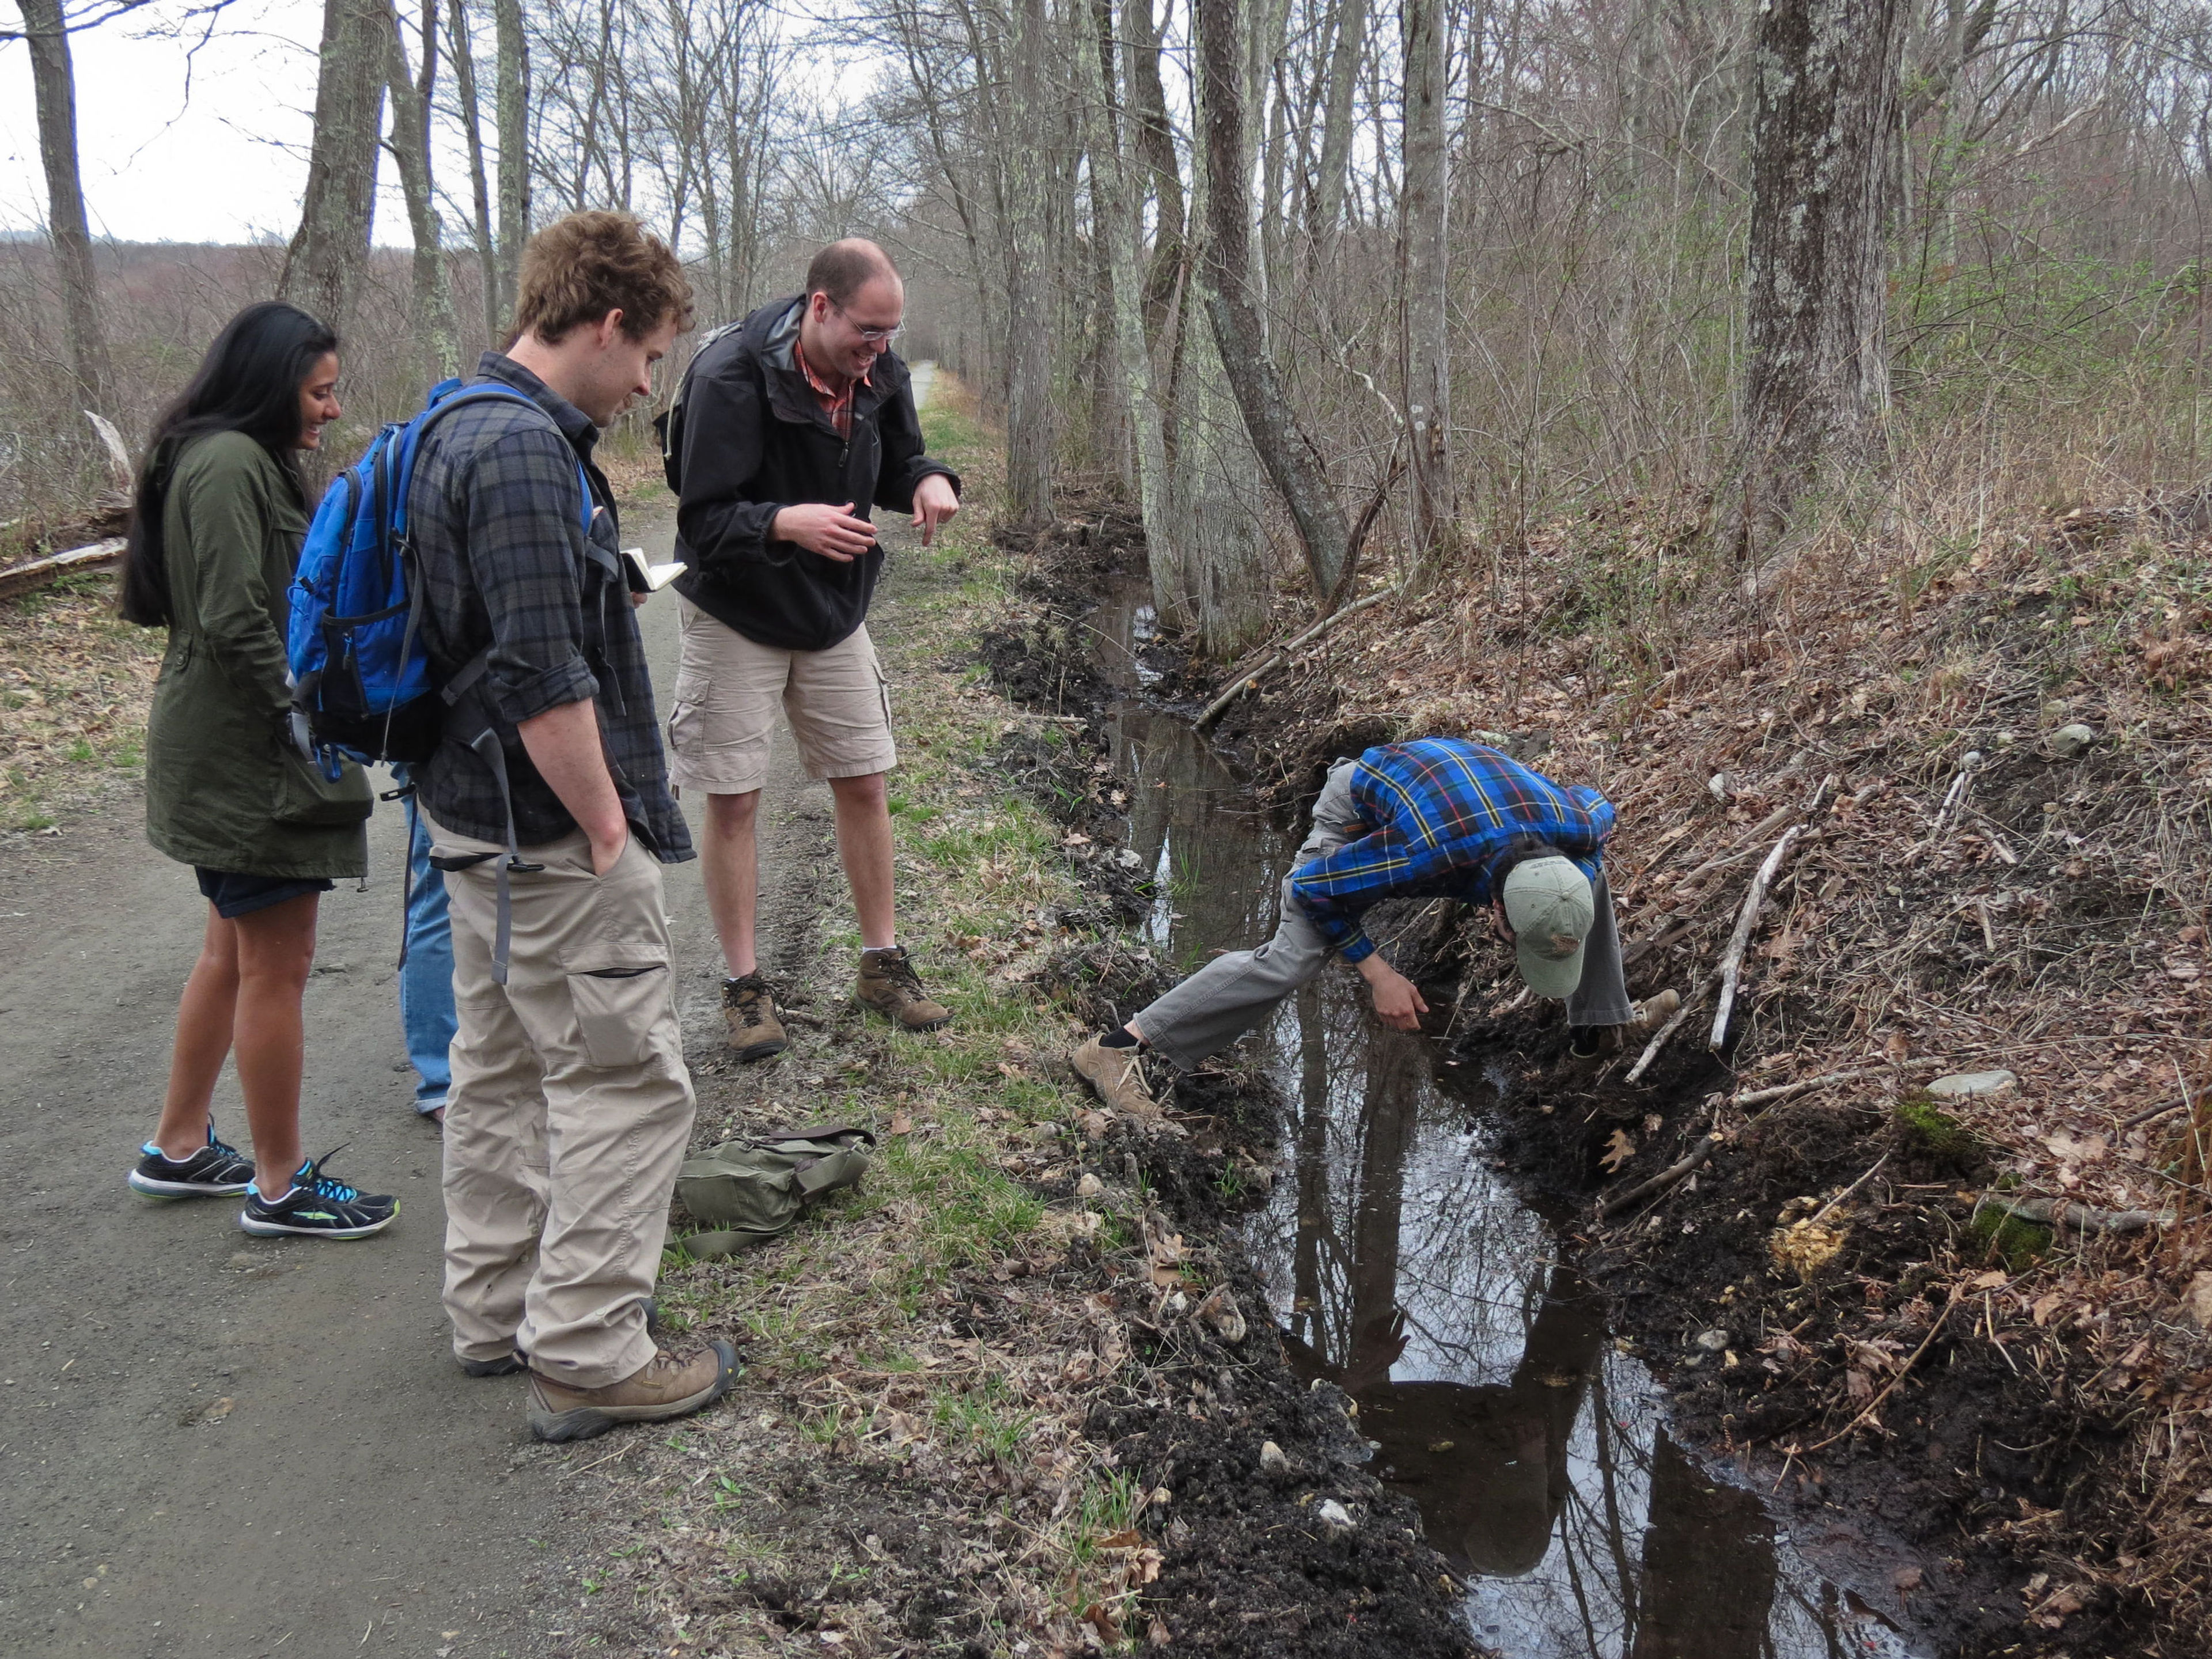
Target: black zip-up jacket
(755,439)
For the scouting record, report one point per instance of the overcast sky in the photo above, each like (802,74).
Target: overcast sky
(225,164)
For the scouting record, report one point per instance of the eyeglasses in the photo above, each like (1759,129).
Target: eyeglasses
(872,336)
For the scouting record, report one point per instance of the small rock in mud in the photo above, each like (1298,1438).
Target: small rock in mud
(1273,1458)
(1713,1341)
(1333,1516)
(1219,1309)
(1090,1187)
(2070,742)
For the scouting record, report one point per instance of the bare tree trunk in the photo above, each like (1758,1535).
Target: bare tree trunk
(1826,74)
(465,84)
(513,72)
(1423,208)
(1351,46)
(1029,293)
(324,264)
(1154,142)
(1283,446)
(1115,217)
(410,149)
(53,87)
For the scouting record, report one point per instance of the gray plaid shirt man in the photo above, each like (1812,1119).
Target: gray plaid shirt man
(505,562)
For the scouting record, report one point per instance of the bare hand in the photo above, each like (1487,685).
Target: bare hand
(934,503)
(637,600)
(831,531)
(1398,1004)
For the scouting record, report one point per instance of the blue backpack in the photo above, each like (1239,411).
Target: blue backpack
(360,674)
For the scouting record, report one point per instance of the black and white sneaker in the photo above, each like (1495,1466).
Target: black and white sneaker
(318,1207)
(216,1170)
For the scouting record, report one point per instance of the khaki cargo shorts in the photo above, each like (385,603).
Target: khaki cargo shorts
(727,688)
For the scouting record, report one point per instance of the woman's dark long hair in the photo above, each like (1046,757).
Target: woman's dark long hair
(248,382)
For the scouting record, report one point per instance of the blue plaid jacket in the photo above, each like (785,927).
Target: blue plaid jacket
(1447,819)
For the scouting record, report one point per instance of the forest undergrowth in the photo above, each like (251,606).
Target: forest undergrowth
(1973,1314)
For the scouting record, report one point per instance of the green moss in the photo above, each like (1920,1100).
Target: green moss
(1930,1133)
(2005,1237)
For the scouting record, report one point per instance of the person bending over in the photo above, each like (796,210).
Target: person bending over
(1436,817)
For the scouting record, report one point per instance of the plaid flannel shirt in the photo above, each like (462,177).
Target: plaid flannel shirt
(505,562)
(1448,818)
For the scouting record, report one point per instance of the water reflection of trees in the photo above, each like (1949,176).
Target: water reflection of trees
(1402,1272)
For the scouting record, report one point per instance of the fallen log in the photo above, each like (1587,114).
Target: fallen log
(22,578)
(2083,1218)
(1244,683)
(1732,961)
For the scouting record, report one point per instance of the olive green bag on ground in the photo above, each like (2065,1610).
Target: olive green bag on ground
(754,1189)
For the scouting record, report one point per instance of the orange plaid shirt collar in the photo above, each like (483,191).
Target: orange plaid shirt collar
(837,406)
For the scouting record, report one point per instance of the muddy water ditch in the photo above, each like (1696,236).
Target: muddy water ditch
(1400,1266)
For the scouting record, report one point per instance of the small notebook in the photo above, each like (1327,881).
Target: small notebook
(650,578)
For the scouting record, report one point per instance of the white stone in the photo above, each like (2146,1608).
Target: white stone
(1965,1085)
(1273,1458)
(1714,1340)
(2069,741)
(1333,1515)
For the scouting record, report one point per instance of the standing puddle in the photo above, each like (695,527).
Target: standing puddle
(1400,1267)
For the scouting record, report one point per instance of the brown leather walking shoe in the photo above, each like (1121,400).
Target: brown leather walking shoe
(749,1009)
(1117,1078)
(667,1386)
(888,985)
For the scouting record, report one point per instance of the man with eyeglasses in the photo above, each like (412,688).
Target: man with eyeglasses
(789,428)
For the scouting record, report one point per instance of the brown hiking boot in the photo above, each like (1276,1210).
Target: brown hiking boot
(888,985)
(749,1009)
(1117,1078)
(664,1387)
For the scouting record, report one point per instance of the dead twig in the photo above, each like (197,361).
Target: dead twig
(1659,1038)
(1672,1174)
(1244,683)
(1823,1212)
(1805,1085)
(1732,961)
(1875,1404)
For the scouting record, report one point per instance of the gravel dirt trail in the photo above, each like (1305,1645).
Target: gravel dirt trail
(212,1444)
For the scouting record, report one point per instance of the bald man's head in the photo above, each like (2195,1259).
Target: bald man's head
(843,269)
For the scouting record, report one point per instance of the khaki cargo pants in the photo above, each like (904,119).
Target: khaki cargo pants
(569,1111)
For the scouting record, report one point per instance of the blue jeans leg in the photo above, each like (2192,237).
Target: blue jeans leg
(426,983)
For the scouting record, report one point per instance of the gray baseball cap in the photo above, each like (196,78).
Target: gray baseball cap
(1550,907)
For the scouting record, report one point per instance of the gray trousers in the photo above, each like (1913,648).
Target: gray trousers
(1236,992)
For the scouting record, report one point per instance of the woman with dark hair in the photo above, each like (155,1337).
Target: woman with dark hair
(215,534)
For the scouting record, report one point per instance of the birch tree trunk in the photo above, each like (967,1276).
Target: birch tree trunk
(1283,446)
(1423,208)
(512,68)
(464,87)
(54,87)
(410,149)
(1029,289)
(1826,79)
(323,265)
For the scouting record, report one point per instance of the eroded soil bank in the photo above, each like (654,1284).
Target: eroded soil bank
(2012,1418)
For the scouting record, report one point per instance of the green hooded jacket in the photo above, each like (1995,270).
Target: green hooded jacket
(225,788)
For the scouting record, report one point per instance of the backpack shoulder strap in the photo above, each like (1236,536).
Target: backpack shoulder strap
(484,391)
